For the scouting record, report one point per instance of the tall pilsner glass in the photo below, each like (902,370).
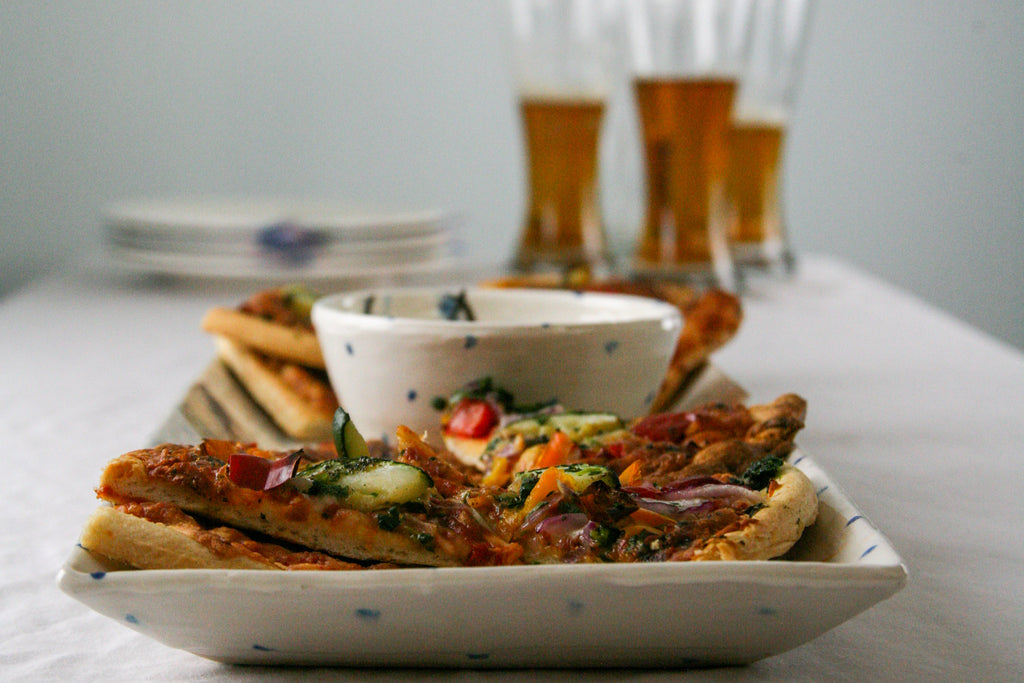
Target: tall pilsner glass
(687,56)
(563,53)
(757,133)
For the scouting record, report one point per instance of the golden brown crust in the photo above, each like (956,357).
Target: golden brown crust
(709,322)
(161,536)
(792,507)
(143,544)
(294,343)
(301,404)
(776,424)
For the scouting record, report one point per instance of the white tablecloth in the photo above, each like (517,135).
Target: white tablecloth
(917,416)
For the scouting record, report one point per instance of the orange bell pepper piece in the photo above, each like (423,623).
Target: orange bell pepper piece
(499,473)
(556,451)
(650,518)
(631,475)
(547,483)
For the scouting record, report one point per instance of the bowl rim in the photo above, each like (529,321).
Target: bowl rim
(328,312)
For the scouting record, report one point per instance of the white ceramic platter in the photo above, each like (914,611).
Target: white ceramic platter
(627,615)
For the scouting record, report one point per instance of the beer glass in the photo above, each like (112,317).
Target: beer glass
(563,52)
(687,56)
(757,131)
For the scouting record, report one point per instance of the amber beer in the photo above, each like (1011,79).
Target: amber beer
(563,219)
(683,124)
(755,153)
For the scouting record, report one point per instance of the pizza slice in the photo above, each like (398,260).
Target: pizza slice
(270,347)
(362,508)
(298,399)
(709,322)
(275,322)
(710,483)
(581,512)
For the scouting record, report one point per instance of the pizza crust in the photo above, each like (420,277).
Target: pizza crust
(709,322)
(792,507)
(280,341)
(150,545)
(295,415)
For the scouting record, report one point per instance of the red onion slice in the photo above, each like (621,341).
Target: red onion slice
(716,490)
(561,525)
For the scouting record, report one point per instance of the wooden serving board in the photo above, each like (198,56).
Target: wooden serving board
(216,406)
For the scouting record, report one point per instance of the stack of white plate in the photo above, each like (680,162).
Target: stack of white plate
(275,239)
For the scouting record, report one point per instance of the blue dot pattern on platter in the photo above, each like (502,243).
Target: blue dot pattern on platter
(867,552)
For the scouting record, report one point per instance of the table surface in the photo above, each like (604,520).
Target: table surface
(918,416)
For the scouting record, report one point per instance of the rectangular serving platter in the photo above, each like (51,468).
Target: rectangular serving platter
(563,616)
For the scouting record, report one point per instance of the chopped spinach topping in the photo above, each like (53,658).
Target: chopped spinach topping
(603,535)
(485,389)
(760,472)
(754,509)
(516,495)
(389,519)
(210,461)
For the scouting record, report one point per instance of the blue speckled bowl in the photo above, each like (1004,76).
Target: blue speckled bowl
(391,351)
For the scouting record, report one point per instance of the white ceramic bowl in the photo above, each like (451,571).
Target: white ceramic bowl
(589,351)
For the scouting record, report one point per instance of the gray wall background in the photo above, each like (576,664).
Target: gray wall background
(906,156)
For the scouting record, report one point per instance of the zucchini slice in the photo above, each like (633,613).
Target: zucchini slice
(365,483)
(539,428)
(348,442)
(576,426)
